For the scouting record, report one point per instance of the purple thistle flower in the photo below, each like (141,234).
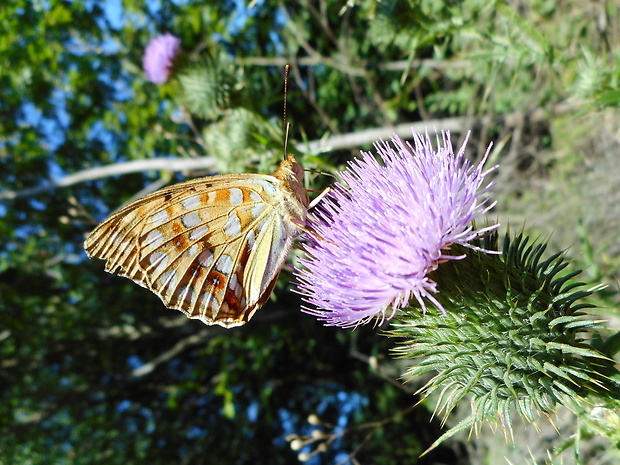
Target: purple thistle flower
(159,57)
(382,230)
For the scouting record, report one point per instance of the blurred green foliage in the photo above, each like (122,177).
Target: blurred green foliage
(93,369)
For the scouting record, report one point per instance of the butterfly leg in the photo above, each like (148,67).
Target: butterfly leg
(302,226)
(319,197)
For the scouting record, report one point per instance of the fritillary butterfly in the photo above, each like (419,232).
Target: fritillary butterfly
(211,247)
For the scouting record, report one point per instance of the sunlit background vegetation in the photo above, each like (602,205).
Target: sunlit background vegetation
(93,369)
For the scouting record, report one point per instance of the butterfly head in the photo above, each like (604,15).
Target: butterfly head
(291,166)
(292,173)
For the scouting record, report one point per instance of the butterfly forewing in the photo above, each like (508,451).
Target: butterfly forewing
(211,247)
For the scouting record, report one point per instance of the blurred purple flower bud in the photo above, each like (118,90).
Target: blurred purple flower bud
(159,57)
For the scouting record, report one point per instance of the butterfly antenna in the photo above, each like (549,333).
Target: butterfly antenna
(287,125)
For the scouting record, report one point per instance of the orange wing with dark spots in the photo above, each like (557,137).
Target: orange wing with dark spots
(211,247)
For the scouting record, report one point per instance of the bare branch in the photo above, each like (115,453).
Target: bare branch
(135,166)
(455,125)
(338,142)
(319,60)
(171,353)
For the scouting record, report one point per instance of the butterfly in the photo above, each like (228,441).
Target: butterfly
(211,247)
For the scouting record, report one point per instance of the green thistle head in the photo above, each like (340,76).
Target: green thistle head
(513,336)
